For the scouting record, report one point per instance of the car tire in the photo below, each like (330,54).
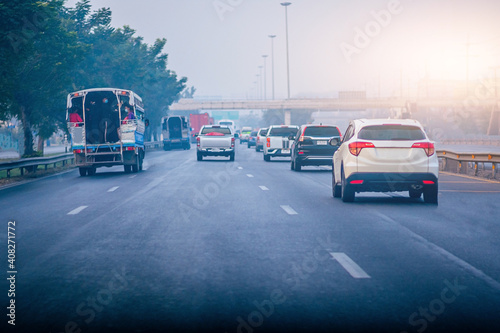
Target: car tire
(431,194)
(415,194)
(267,158)
(199,157)
(336,189)
(231,157)
(83,171)
(298,167)
(346,191)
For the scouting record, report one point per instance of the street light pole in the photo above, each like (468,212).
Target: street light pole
(286,4)
(272,59)
(265,76)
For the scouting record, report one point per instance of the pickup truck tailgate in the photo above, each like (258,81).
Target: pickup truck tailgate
(215,142)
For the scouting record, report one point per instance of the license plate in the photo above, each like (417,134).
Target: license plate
(321,143)
(216,150)
(285,151)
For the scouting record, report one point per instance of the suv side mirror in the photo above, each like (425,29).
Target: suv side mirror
(334,142)
(146,122)
(236,135)
(291,137)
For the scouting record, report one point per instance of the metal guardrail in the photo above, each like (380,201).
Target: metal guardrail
(32,164)
(459,162)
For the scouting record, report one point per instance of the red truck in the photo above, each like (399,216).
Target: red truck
(197,121)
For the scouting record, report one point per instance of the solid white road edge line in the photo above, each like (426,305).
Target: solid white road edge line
(113,189)
(461,263)
(349,265)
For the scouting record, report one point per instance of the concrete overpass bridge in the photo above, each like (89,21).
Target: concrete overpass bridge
(336,104)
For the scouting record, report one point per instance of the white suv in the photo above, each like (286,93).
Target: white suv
(385,155)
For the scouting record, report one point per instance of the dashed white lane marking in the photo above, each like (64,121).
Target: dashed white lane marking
(349,265)
(263,188)
(289,210)
(249,175)
(113,189)
(133,176)
(77,210)
(241,168)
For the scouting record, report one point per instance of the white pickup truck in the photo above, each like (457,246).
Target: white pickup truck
(276,143)
(215,140)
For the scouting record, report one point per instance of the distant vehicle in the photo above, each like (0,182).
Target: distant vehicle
(228,123)
(277,143)
(196,121)
(107,129)
(245,133)
(261,136)
(385,155)
(215,140)
(252,139)
(175,132)
(311,146)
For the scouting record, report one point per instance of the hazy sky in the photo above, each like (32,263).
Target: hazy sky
(218,44)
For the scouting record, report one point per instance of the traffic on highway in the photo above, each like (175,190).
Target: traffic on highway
(249,166)
(250,246)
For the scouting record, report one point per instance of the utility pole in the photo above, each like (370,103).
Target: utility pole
(272,59)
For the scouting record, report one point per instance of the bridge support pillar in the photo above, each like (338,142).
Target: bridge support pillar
(494,125)
(288,117)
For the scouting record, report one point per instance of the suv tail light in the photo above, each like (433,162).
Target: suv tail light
(232,142)
(427,146)
(268,142)
(198,141)
(355,147)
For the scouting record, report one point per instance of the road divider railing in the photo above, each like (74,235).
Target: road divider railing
(31,164)
(461,162)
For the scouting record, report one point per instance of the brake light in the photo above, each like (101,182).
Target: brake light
(232,142)
(77,151)
(355,147)
(198,141)
(268,142)
(301,139)
(356,182)
(427,146)
(301,153)
(428,182)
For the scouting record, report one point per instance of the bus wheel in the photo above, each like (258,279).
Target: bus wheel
(91,171)
(127,168)
(135,166)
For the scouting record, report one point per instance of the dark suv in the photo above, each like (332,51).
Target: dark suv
(311,145)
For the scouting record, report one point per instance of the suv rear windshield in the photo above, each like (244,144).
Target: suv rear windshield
(223,130)
(321,131)
(282,131)
(391,132)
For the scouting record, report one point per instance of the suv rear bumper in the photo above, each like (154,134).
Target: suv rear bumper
(391,182)
(315,160)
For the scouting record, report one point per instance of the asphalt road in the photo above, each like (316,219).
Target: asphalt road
(247,246)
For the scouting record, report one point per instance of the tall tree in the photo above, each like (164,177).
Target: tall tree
(39,53)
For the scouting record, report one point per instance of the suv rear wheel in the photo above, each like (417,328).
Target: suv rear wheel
(336,189)
(347,192)
(431,194)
